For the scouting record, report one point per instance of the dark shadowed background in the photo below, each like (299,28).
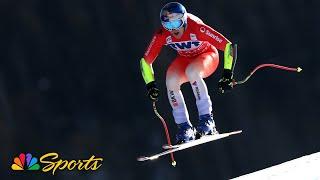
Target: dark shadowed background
(70,83)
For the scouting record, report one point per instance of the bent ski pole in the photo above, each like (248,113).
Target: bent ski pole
(235,57)
(173,162)
(285,68)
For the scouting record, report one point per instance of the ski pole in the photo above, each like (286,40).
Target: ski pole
(173,162)
(285,68)
(235,57)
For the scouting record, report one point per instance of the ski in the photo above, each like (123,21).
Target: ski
(179,147)
(204,138)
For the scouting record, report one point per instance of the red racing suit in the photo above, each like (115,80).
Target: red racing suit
(198,38)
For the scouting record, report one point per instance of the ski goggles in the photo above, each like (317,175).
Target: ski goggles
(172,25)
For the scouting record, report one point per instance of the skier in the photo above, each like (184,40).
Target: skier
(196,44)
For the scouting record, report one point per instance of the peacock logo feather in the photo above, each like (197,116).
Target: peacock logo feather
(25,162)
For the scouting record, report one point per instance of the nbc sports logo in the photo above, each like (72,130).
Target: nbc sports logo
(25,162)
(52,162)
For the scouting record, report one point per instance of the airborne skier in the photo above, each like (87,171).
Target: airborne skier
(197,45)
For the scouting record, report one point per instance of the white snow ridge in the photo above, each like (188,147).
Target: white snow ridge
(303,168)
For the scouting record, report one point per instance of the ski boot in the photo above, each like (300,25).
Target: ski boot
(185,133)
(206,126)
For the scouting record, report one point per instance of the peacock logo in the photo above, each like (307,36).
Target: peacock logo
(25,162)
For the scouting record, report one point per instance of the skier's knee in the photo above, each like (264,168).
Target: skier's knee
(173,82)
(193,72)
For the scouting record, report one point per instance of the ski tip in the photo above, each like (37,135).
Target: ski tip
(174,163)
(142,158)
(236,132)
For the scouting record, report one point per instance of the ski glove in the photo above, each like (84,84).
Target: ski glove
(152,91)
(226,82)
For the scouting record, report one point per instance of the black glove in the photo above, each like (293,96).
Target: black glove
(226,82)
(153,91)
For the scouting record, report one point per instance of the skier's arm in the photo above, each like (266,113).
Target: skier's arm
(149,57)
(213,37)
(219,41)
(147,71)
(223,44)
(226,82)
(228,56)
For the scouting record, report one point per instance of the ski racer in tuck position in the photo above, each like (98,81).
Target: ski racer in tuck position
(197,46)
